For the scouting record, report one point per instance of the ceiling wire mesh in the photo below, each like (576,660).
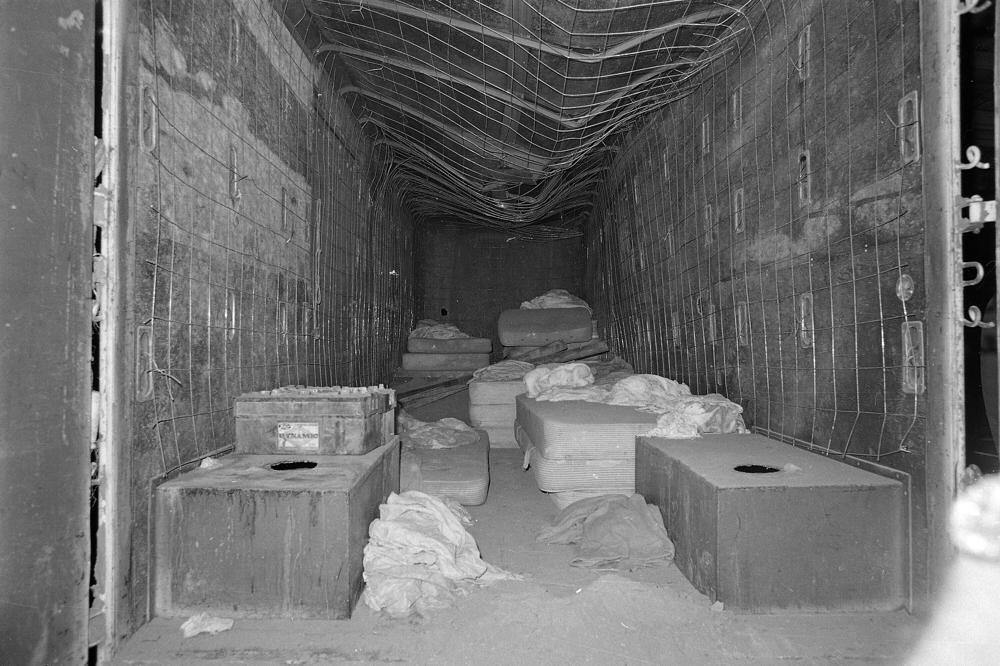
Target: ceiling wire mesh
(501,113)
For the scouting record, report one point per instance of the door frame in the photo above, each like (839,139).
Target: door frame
(945,431)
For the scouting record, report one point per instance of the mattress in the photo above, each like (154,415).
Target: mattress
(534,328)
(501,437)
(461,473)
(495,393)
(413,361)
(609,475)
(449,346)
(500,415)
(578,430)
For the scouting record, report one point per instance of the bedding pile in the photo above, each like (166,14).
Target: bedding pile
(578,433)
(428,328)
(555,298)
(434,348)
(419,556)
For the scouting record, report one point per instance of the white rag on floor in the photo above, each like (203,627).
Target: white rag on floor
(419,557)
(556,298)
(446,433)
(428,328)
(504,371)
(619,531)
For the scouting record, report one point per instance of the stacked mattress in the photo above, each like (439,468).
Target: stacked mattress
(436,355)
(491,408)
(461,473)
(578,449)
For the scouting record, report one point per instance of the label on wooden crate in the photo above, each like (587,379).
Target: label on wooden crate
(298,436)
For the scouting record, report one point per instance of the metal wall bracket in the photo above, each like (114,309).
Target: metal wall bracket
(144,365)
(806,331)
(973,6)
(908,127)
(739,222)
(973,157)
(742,324)
(913,357)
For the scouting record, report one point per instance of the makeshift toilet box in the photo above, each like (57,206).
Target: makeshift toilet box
(265,536)
(314,420)
(763,526)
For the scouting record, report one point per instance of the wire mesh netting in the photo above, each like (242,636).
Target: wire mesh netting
(498,113)
(757,238)
(268,249)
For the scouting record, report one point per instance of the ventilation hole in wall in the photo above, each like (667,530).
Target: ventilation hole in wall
(444,312)
(286,465)
(756,469)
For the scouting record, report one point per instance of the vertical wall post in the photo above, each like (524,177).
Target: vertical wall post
(945,444)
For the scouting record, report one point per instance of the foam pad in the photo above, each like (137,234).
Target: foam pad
(449,346)
(501,437)
(534,328)
(461,473)
(497,415)
(578,429)
(495,393)
(612,475)
(413,361)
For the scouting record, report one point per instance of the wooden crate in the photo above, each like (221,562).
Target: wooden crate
(314,420)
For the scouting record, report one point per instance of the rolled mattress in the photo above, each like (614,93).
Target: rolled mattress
(580,430)
(535,328)
(461,473)
(449,346)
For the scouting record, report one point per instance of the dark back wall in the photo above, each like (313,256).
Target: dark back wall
(469,276)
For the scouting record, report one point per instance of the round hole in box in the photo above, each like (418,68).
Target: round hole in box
(286,465)
(756,469)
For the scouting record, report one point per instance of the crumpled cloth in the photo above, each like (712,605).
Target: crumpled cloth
(691,416)
(646,392)
(555,298)
(683,415)
(419,557)
(203,623)
(428,328)
(446,433)
(612,531)
(551,376)
(609,372)
(504,371)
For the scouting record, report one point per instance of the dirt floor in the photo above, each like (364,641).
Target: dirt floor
(558,615)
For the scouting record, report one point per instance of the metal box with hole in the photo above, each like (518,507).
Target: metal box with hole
(269,536)
(767,527)
(314,420)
